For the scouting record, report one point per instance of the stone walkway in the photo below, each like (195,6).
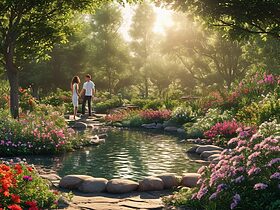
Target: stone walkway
(136,200)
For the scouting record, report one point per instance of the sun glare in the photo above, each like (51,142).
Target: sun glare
(163,20)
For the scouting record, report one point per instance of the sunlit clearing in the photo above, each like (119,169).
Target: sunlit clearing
(163,20)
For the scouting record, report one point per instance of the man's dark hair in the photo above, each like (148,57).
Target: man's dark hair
(88,76)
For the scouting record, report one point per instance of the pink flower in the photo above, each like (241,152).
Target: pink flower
(254,155)
(260,186)
(254,170)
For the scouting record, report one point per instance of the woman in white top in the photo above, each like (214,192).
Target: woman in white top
(75,94)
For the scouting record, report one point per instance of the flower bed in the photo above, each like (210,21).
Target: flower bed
(42,131)
(246,178)
(22,188)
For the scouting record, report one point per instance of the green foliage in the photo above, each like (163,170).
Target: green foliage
(105,106)
(204,123)
(182,115)
(258,112)
(154,104)
(4,94)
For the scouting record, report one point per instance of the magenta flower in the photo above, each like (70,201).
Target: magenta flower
(27,178)
(260,186)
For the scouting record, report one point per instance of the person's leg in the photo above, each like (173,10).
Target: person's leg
(89,105)
(75,112)
(84,105)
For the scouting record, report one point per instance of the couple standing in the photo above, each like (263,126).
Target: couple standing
(87,93)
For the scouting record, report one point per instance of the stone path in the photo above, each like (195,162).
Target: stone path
(136,200)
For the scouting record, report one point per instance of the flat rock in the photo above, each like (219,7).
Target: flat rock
(181,131)
(151,184)
(169,180)
(214,157)
(73,182)
(192,149)
(97,141)
(80,125)
(119,186)
(190,179)
(149,126)
(207,154)
(170,129)
(93,185)
(141,205)
(159,126)
(203,148)
(51,177)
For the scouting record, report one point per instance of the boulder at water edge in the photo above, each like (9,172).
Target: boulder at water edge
(93,185)
(190,179)
(170,129)
(73,182)
(207,154)
(203,148)
(169,180)
(151,184)
(119,186)
(192,149)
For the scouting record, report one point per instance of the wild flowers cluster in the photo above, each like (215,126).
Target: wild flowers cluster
(182,115)
(22,188)
(246,177)
(116,117)
(35,133)
(221,132)
(155,115)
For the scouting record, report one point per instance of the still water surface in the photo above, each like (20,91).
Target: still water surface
(126,154)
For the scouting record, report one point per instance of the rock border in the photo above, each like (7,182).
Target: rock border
(89,184)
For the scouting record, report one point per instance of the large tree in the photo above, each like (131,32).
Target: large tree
(142,35)
(109,54)
(238,17)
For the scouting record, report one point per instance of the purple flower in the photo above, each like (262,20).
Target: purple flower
(236,199)
(260,186)
(239,179)
(221,187)
(254,170)
(201,192)
(213,196)
(273,161)
(27,178)
(275,176)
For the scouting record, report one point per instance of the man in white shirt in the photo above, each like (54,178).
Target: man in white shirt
(87,93)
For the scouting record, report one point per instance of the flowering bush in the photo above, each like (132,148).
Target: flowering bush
(204,123)
(269,128)
(22,188)
(221,132)
(247,177)
(150,116)
(38,132)
(27,102)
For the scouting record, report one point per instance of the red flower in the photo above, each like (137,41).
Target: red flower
(30,169)
(15,198)
(18,169)
(31,203)
(14,207)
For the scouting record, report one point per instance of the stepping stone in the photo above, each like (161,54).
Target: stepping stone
(203,148)
(207,154)
(80,125)
(169,180)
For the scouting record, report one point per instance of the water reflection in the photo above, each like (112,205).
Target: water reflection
(126,154)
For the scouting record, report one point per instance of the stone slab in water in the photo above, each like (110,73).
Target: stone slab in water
(203,148)
(207,154)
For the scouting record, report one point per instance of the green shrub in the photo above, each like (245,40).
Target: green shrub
(106,106)
(182,115)
(4,94)
(154,105)
(140,102)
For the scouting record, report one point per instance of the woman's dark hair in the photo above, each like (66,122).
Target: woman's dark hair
(75,79)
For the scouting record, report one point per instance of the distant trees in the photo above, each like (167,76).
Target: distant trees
(142,36)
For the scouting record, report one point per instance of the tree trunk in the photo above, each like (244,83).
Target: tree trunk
(13,77)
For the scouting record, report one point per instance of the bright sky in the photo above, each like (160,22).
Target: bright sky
(163,20)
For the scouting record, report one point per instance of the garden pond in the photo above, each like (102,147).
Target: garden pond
(125,154)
